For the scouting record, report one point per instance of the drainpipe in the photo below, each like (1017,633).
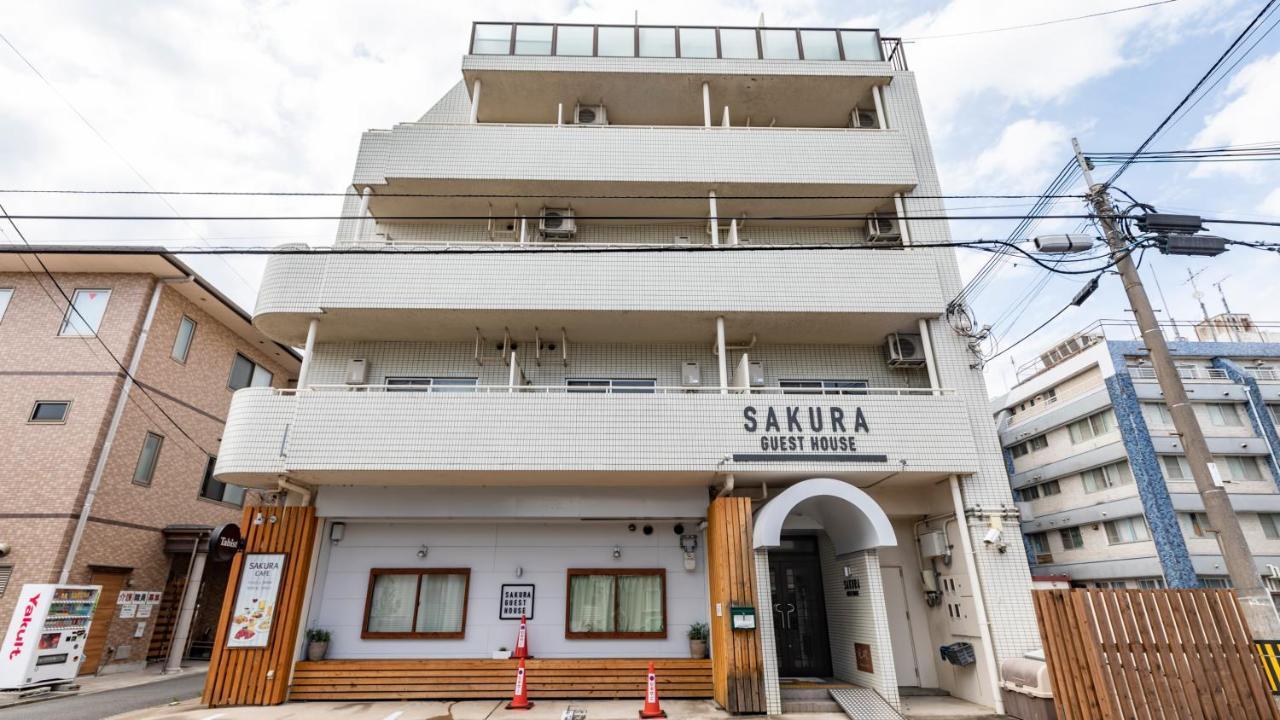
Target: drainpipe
(715,218)
(475,100)
(186,609)
(706,104)
(930,362)
(116,415)
(291,488)
(733,231)
(721,352)
(308,351)
(726,488)
(979,604)
(880,119)
(899,207)
(362,225)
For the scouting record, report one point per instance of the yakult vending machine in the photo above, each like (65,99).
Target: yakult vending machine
(46,638)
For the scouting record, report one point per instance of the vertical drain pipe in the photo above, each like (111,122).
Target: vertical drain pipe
(307,352)
(706,104)
(979,603)
(930,363)
(720,356)
(475,101)
(881,121)
(715,217)
(362,224)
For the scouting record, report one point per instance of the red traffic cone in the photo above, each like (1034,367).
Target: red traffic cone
(522,641)
(651,707)
(520,699)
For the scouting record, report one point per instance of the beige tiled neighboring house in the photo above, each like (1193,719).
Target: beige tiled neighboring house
(153,504)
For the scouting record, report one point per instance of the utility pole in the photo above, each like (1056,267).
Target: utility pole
(1259,611)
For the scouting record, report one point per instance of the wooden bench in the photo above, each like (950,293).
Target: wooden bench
(441,679)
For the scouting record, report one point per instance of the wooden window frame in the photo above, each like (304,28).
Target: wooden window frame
(366,634)
(617,599)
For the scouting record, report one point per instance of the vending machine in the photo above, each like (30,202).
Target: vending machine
(46,638)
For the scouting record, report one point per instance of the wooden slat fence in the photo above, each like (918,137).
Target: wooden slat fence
(260,676)
(737,659)
(1150,655)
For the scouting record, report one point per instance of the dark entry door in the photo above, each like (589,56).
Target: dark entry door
(799,611)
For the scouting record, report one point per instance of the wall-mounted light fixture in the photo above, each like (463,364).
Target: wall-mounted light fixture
(336,532)
(617,552)
(422,551)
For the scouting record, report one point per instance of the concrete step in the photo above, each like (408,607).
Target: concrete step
(810,706)
(805,693)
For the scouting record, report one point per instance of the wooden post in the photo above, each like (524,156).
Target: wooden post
(260,676)
(736,659)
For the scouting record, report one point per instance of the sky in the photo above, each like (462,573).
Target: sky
(270,95)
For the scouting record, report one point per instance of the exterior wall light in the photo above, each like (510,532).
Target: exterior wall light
(617,552)
(336,532)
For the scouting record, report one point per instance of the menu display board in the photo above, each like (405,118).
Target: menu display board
(254,611)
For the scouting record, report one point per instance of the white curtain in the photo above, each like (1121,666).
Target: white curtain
(392,606)
(591,603)
(441,603)
(639,603)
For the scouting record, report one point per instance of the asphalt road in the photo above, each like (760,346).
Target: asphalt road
(109,702)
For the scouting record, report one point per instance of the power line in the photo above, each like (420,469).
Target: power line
(403,218)
(279,193)
(1039,24)
(1169,118)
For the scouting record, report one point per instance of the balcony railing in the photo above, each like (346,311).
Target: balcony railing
(598,390)
(669,41)
(1185,372)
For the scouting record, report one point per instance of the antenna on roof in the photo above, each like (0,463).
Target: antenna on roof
(1195,292)
(637,16)
(1222,294)
(761,23)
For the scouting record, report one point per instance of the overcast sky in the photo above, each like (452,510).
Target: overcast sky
(273,95)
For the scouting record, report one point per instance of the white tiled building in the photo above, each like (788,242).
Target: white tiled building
(1105,490)
(575,318)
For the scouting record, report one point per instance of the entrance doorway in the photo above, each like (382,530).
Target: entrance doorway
(112,582)
(799,608)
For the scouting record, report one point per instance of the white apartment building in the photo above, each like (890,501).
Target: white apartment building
(576,316)
(1105,490)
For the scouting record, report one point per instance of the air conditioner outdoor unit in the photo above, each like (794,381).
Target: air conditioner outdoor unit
(691,375)
(557,223)
(904,350)
(357,371)
(883,229)
(590,115)
(863,119)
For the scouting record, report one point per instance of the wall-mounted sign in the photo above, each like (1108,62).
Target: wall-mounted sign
(225,542)
(255,608)
(742,617)
(800,433)
(852,586)
(516,602)
(137,603)
(862,655)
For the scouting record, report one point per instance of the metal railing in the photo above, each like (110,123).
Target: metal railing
(599,390)
(688,41)
(1185,372)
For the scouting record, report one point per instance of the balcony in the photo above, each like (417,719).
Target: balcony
(643,295)
(552,436)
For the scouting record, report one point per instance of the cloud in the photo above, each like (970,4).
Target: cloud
(1249,115)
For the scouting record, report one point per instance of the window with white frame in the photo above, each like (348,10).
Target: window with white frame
(432,384)
(1176,468)
(1240,467)
(1071,538)
(1157,414)
(822,387)
(86,311)
(611,385)
(1107,476)
(1223,414)
(1270,523)
(1194,524)
(1127,530)
(1151,583)
(1095,425)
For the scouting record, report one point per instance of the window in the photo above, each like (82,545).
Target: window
(1107,476)
(218,491)
(616,604)
(1223,415)
(1176,468)
(147,459)
(822,387)
(1240,467)
(1275,414)
(1071,538)
(1091,427)
(1270,525)
(416,603)
(1111,585)
(1038,442)
(1029,493)
(1045,489)
(46,411)
(431,384)
(247,373)
(1217,583)
(182,343)
(1150,583)
(610,385)
(1050,488)
(1187,371)
(1194,524)
(1126,530)
(6,573)
(86,311)
(6,294)
(1157,414)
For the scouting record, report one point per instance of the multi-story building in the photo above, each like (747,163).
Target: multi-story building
(106,475)
(1106,492)
(615,279)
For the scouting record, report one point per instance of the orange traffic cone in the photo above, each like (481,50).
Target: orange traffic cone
(522,640)
(520,700)
(651,707)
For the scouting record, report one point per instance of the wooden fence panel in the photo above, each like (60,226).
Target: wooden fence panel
(1151,654)
(736,656)
(260,676)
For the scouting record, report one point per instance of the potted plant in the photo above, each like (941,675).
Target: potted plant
(317,643)
(698,633)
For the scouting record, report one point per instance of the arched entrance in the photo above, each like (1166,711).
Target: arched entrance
(822,599)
